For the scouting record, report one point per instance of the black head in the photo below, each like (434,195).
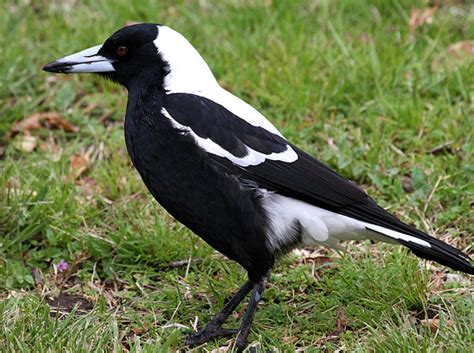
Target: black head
(141,55)
(127,56)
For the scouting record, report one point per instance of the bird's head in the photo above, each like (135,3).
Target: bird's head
(141,53)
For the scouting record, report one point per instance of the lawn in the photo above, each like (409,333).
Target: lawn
(381,93)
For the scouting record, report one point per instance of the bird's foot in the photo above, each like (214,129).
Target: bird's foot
(206,334)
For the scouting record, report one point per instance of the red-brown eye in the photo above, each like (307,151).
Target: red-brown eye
(121,51)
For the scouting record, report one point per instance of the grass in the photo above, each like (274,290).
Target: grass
(345,80)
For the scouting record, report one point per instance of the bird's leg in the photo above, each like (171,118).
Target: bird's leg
(255,297)
(213,328)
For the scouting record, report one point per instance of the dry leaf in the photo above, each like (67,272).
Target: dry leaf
(310,256)
(419,17)
(89,108)
(437,281)
(37,278)
(222,349)
(407,184)
(49,120)
(457,278)
(290,339)
(78,164)
(88,186)
(456,55)
(67,302)
(462,49)
(51,79)
(434,324)
(27,143)
(341,323)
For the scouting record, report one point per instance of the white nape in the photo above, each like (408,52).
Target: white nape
(252,157)
(189,73)
(318,226)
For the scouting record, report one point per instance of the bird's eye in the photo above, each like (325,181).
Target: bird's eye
(121,51)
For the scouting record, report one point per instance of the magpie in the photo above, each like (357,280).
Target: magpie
(221,168)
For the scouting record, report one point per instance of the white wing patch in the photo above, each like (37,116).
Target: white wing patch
(189,73)
(252,158)
(397,235)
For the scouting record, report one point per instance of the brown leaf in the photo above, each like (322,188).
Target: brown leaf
(290,339)
(434,324)
(311,256)
(88,186)
(341,322)
(462,49)
(37,278)
(457,54)
(407,184)
(89,108)
(419,17)
(67,302)
(437,281)
(78,165)
(50,120)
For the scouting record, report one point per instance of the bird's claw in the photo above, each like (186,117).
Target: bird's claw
(206,334)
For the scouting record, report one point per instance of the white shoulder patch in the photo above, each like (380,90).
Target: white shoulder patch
(251,159)
(189,73)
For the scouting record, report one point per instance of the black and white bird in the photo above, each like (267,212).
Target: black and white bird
(222,169)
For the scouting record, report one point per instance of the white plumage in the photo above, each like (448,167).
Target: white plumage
(319,226)
(189,73)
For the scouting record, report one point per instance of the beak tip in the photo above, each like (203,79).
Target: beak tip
(52,67)
(48,67)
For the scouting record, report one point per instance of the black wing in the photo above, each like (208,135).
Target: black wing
(305,178)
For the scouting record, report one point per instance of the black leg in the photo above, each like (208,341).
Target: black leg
(244,331)
(213,328)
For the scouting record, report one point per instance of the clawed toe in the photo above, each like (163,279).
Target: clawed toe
(208,333)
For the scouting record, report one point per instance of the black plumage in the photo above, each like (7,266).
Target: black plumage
(219,167)
(214,205)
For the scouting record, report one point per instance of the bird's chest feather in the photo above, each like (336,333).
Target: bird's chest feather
(168,162)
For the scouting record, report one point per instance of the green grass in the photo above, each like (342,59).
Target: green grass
(344,80)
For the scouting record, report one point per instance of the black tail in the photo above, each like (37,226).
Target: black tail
(437,250)
(444,254)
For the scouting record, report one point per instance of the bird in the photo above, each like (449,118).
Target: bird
(219,167)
